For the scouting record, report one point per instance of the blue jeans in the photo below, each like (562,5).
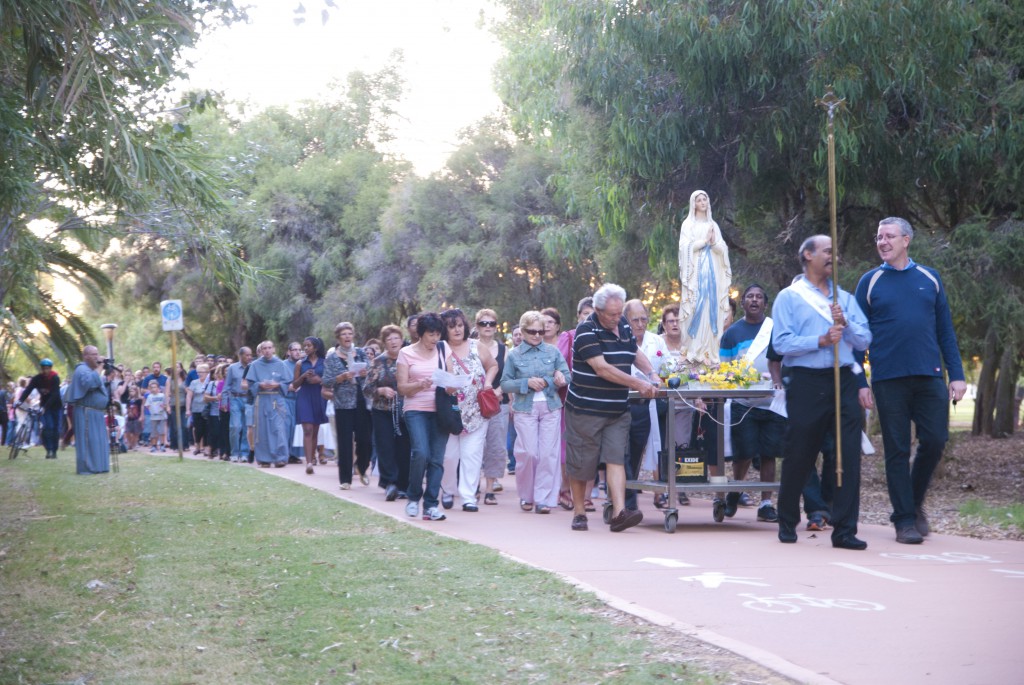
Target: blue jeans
(428,445)
(238,438)
(923,400)
(50,426)
(510,444)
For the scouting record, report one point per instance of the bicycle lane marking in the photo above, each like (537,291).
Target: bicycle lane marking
(872,572)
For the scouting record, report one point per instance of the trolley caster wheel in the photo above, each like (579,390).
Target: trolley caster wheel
(670,522)
(660,501)
(718,510)
(606,513)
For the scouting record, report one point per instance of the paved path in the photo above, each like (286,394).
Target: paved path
(948,611)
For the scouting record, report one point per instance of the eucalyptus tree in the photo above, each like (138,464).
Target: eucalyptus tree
(649,100)
(473,235)
(87,145)
(304,189)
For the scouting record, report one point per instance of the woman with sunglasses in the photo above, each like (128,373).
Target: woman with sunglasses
(534,372)
(495,450)
(463,456)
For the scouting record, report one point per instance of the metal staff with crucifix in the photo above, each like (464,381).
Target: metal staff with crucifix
(831,103)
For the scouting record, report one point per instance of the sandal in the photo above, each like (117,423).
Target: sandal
(565,500)
(525,506)
(489,498)
(309,469)
(588,505)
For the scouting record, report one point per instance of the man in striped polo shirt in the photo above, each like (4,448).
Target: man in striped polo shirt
(596,414)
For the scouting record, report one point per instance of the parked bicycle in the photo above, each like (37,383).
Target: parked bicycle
(23,433)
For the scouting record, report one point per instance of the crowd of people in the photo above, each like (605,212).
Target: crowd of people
(443,409)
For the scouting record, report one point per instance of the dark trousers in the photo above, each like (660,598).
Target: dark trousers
(820,490)
(199,428)
(50,430)
(392,450)
(353,423)
(923,400)
(174,419)
(214,430)
(639,432)
(810,403)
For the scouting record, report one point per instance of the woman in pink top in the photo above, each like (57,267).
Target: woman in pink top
(414,368)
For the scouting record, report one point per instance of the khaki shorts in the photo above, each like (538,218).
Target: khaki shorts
(590,440)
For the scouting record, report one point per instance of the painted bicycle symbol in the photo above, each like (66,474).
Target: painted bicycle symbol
(793,603)
(946,557)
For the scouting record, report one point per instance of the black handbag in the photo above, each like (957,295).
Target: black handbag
(446,407)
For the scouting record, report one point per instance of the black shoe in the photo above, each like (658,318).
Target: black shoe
(391,493)
(470,506)
(921,523)
(849,542)
(787,533)
(579,522)
(402,494)
(447,501)
(907,534)
(732,500)
(627,518)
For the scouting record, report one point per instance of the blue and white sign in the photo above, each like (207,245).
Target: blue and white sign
(170,312)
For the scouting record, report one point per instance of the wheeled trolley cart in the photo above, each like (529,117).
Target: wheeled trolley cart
(717,481)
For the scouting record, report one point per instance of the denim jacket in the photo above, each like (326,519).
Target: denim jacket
(526,362)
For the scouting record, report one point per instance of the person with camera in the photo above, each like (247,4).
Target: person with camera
(89,393)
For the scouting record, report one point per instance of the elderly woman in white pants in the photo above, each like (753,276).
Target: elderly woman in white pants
(533,373)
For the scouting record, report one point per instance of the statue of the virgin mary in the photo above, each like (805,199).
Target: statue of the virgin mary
(706,276)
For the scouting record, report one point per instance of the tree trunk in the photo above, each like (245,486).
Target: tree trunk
(985,399)
(1006,387)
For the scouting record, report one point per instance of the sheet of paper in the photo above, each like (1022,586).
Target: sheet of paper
(779,403)
(357,367)
(443,379)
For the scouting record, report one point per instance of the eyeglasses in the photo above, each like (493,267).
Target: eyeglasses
(639,319)
(530,331)
(487,324)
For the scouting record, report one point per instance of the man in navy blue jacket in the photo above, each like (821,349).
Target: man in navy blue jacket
(912,338)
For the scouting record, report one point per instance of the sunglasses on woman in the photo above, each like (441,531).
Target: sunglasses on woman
(487,324)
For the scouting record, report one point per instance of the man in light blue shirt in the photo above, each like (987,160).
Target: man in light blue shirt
(808,329)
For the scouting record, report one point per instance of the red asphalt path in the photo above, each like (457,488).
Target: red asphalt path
(947,611)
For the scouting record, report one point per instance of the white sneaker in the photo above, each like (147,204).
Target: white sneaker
(434,514)
(412,509)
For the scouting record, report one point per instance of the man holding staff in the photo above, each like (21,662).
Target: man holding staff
(808,330)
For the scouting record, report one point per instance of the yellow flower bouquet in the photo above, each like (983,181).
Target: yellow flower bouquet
(738,373)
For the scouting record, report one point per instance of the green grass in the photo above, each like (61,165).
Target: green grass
(1005,517)
(218,574)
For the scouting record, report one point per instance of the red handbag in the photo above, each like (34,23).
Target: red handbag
(489,403)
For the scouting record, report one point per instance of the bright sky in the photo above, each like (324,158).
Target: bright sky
(449,55)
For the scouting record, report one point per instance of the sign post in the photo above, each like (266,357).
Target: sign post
(171,315)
